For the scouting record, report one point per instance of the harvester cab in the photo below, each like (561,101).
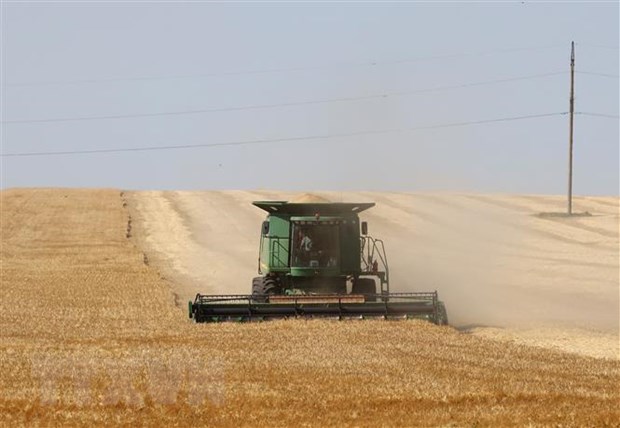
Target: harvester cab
(317,248)
(318,260)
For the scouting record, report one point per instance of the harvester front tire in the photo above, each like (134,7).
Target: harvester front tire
(262,286)
(365,286)
(270,285)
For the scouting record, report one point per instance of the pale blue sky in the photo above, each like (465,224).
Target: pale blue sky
(72,60)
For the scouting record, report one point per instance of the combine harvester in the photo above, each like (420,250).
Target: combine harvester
(310,256)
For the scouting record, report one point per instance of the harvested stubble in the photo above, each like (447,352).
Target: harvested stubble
(91,335)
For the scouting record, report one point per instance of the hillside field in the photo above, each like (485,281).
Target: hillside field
(94,329)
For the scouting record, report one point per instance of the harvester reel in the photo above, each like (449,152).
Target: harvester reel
(424,305)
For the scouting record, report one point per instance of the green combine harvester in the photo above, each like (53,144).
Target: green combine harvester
(317,260)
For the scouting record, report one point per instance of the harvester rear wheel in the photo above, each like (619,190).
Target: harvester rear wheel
(365,286)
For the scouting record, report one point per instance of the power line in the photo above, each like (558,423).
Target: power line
(290,104)
(281,140)
(609,116)
(286,69)
(614,48)
(592,73)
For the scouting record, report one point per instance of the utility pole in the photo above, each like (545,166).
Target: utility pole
(570,132)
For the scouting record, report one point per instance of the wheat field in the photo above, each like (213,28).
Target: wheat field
(94,330)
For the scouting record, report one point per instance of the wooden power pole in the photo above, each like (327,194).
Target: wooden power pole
(570,132)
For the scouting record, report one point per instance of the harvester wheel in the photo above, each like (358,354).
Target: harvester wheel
(270,285)
(365,286)
(262,286)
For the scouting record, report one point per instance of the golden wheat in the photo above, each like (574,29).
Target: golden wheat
(91,335)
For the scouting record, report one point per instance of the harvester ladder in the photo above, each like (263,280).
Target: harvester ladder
(279,252)
(373,250)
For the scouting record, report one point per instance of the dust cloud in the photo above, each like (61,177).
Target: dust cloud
(498,266)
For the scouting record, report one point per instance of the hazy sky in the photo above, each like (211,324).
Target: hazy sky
(84,60)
